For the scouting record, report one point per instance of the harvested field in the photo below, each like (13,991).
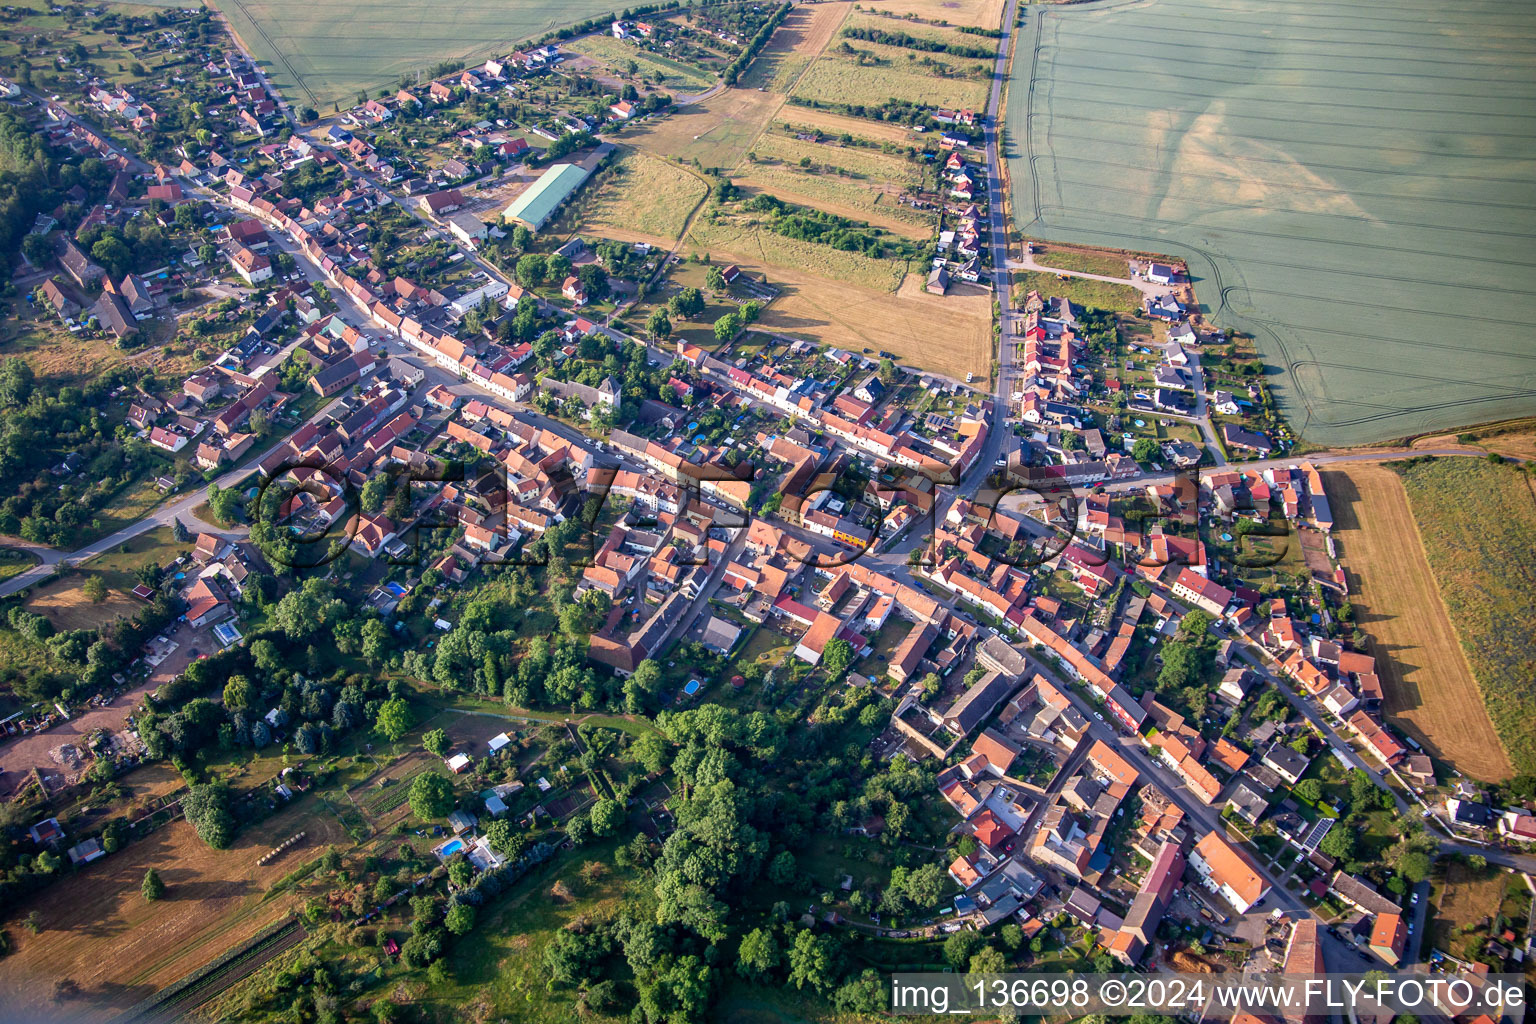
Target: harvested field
(980,13)
(1477,521)
(674,75)
(1429,688)
(643,196)
(951,334)
(296,43)
(100,935)
(836,78)
(63,602)
(1354,191)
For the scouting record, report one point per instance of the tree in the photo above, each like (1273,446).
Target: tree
(607,816)
(658,326)
(95,588)
(811,960)
(153,887)
(436,741)
(758,955)
(961,946)
(989,961)
(239,692)
(888,372)
(836,656)
(374,493)
(783,871)
(726,327)
(1309,790)
(224,503)
(1339,843)
(37,249)
(1414,866)
(206,807)
(431,796)
(394,719)
(1146,450)
(460,919)
(715,279)
(532,268)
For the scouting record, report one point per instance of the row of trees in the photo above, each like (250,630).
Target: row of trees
(925,44)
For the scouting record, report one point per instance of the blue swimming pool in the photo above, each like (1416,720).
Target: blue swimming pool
(450,848)
(691,688)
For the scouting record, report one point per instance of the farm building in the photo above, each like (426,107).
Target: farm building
(538,204)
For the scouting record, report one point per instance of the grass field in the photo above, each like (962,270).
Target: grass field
(1351,189)
(645,198)
(802,118)
(716,132)
(1084,261)
(14,562)
(737,236)
(1429,688)
(673,75)
(100,934)
(1478,525)
(1463,903)
(836,78)
(850,181)
(297,44)
(1100,294)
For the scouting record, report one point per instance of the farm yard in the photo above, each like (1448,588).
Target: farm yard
(1478,524)
(1354,194)
(296,43)
(1429,688)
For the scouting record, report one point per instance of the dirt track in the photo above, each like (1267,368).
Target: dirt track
(1429,689)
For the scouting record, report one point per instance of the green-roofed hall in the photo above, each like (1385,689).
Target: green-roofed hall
(535,207)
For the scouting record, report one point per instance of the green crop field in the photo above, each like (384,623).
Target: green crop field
(1350,184)
(323,52)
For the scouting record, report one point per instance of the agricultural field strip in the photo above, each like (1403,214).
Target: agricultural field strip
(1429,688)
(1267,193)
(1478,526)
